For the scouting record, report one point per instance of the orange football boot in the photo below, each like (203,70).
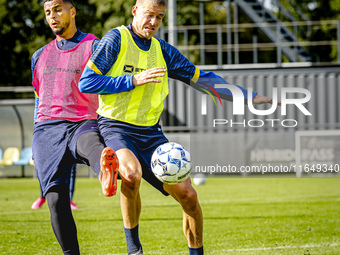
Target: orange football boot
(109,166)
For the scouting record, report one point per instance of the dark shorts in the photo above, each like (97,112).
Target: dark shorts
(54,150)
(142,141)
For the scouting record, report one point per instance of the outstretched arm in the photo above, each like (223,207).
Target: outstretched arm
(180,68)
(264,100)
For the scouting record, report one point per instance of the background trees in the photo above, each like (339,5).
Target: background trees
(23,29)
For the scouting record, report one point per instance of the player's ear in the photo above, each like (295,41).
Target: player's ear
(134,9)
(73,12)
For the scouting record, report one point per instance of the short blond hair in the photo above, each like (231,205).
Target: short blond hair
(156,2)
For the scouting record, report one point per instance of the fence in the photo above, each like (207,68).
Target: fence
(213,41)
(240,144)
(16,130)
(183,102)
(250,140)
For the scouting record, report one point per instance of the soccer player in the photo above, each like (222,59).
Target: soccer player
(42,199)
(133,68)
(65,130)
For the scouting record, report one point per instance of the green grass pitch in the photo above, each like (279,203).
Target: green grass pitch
(241,216)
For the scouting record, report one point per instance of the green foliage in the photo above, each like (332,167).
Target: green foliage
(86,19)
(318,11)
(23,30)
(216,13)
(187,13)
(111,14)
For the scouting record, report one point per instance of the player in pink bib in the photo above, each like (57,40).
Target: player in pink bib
(65,130)
(56,77)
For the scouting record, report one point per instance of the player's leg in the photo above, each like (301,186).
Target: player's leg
(53,161)
(73,180)
(120,137)
(186,195)
(102,160)
(62,221)
(89,147)
(40,201)
(72,185)
(58,199)
(131,174)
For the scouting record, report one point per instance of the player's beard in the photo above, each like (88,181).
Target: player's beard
(61,30)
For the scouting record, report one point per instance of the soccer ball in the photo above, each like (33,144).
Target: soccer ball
(170,163)
(199,179)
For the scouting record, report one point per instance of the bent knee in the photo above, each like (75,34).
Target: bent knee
(131,173)
(129,167)
(188,198)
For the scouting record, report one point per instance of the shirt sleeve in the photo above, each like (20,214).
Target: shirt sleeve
(36,106)
(93,79)
(209,80)
(180,68)
(95,45)
(34,60)
(33,66)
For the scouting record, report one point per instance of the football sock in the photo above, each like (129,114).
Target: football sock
(196,251)
(90,146)
(62,221)
(132,240)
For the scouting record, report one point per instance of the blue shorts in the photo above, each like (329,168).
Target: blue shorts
(142,141)
(54,150)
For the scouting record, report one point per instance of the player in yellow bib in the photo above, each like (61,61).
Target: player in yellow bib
(130,70)
(143,105)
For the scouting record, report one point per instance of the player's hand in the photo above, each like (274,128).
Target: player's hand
(148,76)
(263,100)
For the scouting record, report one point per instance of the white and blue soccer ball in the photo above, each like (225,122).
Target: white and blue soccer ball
(171,163)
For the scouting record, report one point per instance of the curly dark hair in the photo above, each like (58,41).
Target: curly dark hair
(69,1)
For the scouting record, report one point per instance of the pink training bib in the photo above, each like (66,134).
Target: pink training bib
(56,77)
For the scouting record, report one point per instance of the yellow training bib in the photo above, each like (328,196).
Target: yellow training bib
(142,105)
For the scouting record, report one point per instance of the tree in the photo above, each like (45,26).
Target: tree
(24,30)
(110,14)
(319,10)
(21,33)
